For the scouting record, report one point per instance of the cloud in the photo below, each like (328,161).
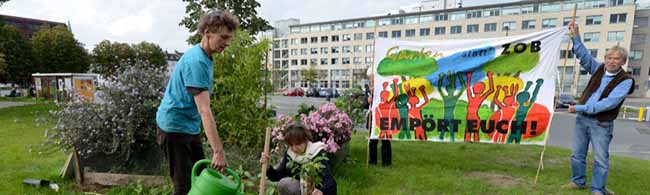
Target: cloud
(141,22)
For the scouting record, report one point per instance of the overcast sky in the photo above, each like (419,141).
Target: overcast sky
(157,20)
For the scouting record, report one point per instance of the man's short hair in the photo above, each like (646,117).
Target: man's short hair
(618,49)
(216,19)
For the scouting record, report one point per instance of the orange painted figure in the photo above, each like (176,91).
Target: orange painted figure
(415,112)
(475,97)
(386,109)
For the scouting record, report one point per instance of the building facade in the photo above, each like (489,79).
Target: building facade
(28,26)
(341,51)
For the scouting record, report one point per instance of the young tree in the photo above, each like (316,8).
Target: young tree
(243,9)
(56,50)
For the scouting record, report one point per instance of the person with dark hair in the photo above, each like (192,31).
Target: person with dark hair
(300,150)
(186,103)
(386,149)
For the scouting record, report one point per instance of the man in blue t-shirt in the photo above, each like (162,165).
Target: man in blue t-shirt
(186,103)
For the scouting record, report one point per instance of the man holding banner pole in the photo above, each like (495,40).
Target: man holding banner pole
(596,111)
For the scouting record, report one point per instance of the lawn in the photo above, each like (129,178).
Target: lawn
(418,167)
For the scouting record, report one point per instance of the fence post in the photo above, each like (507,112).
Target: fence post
(641,112)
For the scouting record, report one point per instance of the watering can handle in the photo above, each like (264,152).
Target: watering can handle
(200,163)
(197,165)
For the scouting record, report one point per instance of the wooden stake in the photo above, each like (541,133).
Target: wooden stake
(541,157)
(265,166)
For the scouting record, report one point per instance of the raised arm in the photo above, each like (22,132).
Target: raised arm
(536,91)
(587,61)
(491,87)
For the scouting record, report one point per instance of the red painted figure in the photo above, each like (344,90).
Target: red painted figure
(475,97)
(508,101)
(386,109)
(415,112)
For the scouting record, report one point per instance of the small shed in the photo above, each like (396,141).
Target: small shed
(60,86)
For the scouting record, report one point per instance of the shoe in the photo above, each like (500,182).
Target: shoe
(572,186)
(609,192)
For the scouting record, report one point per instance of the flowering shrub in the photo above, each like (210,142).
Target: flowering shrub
(328,124)
(121,125)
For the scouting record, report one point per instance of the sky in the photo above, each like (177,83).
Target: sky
(157,20)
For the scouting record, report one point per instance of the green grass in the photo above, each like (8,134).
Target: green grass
(418,167)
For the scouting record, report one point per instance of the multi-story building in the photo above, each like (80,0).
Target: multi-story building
(639,64)
(28,26)
(340,51)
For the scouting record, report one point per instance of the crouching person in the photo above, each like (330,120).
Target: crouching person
(300,150)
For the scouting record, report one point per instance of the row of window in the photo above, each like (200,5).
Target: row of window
(471,28)
(633,55)
(551,7)
(324,84)
(333,50)
(329,61)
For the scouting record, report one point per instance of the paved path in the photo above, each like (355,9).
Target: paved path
(12,104)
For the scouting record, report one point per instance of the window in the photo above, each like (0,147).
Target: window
(356,60)
(595,4)
(636,71)
(425,32)
(294,52)
(592,37)
(410,32)
(593,52)
(441,17)
(472,28)
(636,55)
(335,61)
(510,25)
(335,50)
(383,34)
(303,62)
(617,18)
(549,23)
(303,40)
(294,41)
(384,22)
(456,30)
(515,10)
(457,15)
(638,39)
(411,19)
(368,48)
(528,9)
(335,38)
(566,20)
(474,14)
(324,50)
(345,60)
(426,18)
(323,61)
(615,36)
(303,51)
(294,62)
(314,50)
(313,61)
(490,27)
(369,60)
(358,36)
(528,24)
(551,7)
(357,49)
(616,2)
(314,40)
(346,49)
(346,37)
(440,30)
(323,39)
(641,21)
(396,21)
(594,20)
(370,36)
(563,54)
(396,34)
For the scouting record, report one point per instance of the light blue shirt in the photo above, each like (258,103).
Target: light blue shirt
(178,112)
(615,97)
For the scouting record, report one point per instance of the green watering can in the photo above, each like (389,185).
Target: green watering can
(212,182)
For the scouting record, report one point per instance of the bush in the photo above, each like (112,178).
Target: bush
(328,124)
(351,102)
(121,127)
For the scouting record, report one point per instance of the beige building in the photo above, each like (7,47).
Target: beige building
(340,51)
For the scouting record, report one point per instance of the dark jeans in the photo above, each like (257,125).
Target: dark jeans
(386,152)
(182,151)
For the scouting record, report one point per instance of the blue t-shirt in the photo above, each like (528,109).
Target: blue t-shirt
(178,112)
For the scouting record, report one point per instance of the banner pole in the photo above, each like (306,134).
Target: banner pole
(541,156)
(374,49)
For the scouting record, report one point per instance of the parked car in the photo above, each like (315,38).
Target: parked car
(325,92)
(294,92)
(312,92)
(564,100)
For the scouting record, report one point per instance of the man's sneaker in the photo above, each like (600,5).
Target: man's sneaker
(572,186)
